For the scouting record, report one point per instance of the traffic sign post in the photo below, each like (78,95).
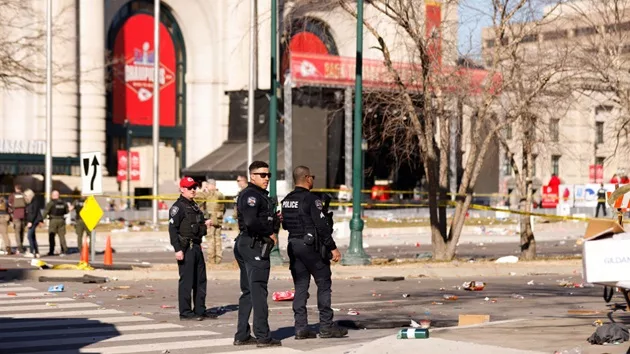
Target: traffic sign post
(91,173)
(92,184)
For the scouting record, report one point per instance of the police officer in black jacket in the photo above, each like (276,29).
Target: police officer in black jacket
(186,228)
(258,224)
(309,232)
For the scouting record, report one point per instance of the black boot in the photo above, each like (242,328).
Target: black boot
(332,332)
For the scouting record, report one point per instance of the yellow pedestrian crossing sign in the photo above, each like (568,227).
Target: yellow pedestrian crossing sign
(91,213)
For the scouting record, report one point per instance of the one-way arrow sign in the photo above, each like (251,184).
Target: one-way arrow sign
(91,173)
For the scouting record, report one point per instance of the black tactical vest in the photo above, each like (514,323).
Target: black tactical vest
(265,211)
(294,218)
(192,225)
(79,205)
(59,208)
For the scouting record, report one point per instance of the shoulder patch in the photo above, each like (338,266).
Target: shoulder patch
(174,210)
(251,201)
(318,204)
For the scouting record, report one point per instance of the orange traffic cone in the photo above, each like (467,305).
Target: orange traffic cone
(107,258)
(85,251)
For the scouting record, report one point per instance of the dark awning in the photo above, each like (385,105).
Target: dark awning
(26,164)
(230,160)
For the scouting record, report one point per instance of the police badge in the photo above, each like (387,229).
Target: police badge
(174,210)
(251,201)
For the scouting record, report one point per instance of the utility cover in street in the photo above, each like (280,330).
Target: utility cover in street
(91,213)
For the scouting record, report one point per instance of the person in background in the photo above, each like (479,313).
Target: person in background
(601,200)
(4,225)
(56,209)
(17,209)
(33,219)
(215,209)
(79,226)
(241,181)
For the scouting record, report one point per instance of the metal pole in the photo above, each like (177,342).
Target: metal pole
(92,245)
(128,143)
(348,137)
(253,63)
(273,105)
(454,118)
(48,177)
(156,108)
(288,132)
(275,257)
(355,254)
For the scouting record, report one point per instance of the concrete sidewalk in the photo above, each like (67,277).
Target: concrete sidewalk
(409,270)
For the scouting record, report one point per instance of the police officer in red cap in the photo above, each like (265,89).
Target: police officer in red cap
(186,229)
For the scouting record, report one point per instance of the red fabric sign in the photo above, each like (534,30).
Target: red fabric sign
(322,70)
(596,173)
(133,73)
(550,196)
(122,165)
(433,32)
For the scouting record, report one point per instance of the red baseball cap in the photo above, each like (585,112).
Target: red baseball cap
(187,182)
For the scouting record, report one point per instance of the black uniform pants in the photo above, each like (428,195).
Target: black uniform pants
(254,278)
(192,277)
(603,206)
(304,262)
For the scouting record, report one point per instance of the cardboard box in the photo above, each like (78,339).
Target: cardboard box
(606,252)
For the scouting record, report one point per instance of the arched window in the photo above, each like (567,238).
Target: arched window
(130,76)
(307,35)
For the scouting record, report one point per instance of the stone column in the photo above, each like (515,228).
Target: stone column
(92,98)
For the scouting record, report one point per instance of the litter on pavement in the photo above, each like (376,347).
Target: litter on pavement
(609,333)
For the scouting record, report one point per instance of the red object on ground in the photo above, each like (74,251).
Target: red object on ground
(283,295)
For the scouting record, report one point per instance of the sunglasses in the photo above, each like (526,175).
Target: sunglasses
(313,176)
(262,174)
(191,188)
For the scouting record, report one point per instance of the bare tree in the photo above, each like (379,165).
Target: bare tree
(23,44)
(602,63)
(421,105)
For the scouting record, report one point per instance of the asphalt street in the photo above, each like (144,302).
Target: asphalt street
(465,251)
(102,317)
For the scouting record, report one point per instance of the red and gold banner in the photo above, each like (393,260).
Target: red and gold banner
(134,53)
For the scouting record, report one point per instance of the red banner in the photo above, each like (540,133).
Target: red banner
(433,31)
(596,173)
(133,73)
(550,196)
(330,70)
(122,165)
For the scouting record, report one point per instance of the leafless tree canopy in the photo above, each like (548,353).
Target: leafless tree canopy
(23,43)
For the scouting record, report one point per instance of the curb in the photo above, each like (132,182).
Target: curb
(409,271)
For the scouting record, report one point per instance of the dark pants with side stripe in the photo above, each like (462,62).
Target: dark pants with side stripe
(254,278)
(192,277)
(304,263)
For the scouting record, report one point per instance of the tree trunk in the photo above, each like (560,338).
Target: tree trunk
(438,225)
(457,224)
(528,243)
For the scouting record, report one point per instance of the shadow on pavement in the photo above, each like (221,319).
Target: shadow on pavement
(52,335)
(221,310)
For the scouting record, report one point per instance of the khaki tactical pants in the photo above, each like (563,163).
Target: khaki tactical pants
(215,250)
(4,232)
(57,226)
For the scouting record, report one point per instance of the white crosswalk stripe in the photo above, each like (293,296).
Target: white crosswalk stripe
(32,321)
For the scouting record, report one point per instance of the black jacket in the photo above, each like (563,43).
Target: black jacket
(34,213)
(255,212)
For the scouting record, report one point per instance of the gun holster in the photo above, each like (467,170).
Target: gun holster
(184,242)
(309,239)
(267,246)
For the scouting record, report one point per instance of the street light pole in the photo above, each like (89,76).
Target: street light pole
(156,108)
(128,143)
(275,257)
(48,172)
(253,63)
(355,254)
(273,105)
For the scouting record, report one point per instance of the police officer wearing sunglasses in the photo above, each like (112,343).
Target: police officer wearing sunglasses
(186,229)
(258,224)
(311,248)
